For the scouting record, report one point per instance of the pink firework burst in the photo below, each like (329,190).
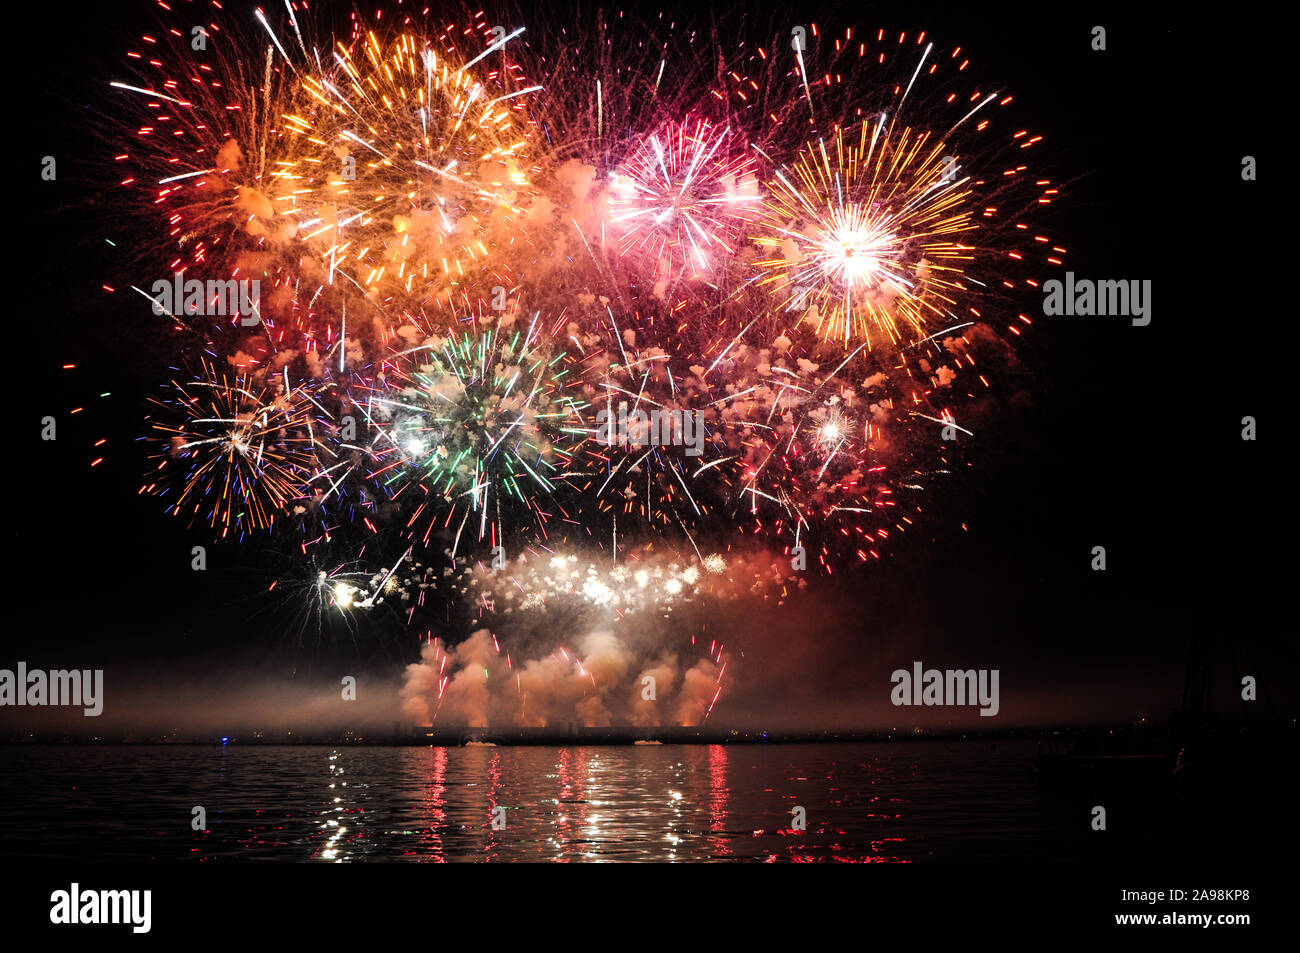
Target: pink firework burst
(681,197)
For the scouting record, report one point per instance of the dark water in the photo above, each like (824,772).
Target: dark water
(944,801)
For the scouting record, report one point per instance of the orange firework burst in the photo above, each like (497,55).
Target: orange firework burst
(405,168)
(390,164)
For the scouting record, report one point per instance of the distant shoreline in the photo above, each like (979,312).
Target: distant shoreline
(623,735)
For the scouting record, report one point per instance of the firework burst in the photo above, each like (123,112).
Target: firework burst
(404,168)
(479,421)
(863,235)
(682,196)
(235,453)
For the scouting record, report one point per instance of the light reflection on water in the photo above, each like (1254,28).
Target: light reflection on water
(863,802)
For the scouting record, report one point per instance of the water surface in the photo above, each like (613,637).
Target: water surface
(965,801)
